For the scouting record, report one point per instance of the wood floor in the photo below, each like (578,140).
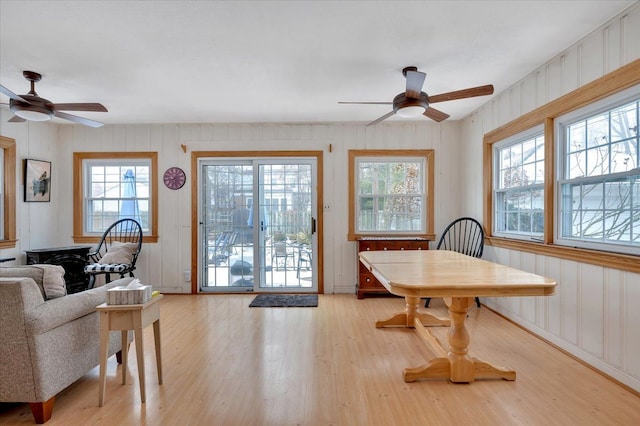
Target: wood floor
(228,364)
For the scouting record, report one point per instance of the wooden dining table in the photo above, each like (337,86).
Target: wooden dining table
(416,274)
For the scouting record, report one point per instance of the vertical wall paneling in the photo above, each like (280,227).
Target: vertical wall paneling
(613,317)
(591,309)
(631,324)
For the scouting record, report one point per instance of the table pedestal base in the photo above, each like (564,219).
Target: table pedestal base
(454,364)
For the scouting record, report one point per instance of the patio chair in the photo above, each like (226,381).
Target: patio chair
(304,257)
(117,251)
(280,251)
(222,247)
(463,235)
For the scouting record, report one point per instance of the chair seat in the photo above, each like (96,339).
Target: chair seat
(106,267)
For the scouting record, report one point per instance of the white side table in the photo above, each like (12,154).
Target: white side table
(125,318)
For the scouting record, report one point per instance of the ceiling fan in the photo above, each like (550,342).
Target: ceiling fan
(34,108)
(414,102)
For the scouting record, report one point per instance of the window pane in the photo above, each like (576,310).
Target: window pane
(598,161)
(598,130)
(519,203)
(117,191)
(623,122)
(391,195)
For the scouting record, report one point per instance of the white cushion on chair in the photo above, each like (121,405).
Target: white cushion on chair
(119,253)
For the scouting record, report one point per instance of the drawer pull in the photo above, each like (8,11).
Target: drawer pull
(401,248)
(419,248)
(385,248)
(368,280)
(368,248)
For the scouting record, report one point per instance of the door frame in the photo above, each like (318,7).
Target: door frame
(198,155)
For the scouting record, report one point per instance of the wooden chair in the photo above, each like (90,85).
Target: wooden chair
(463,235)
(117,251)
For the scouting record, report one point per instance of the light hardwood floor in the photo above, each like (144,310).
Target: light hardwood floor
(228,364)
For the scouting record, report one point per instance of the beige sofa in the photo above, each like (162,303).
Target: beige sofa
(46,344)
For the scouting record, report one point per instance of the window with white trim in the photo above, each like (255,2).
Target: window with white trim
(519,185)
(116,189)
(599,175)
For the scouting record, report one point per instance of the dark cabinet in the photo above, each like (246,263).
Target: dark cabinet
(367,283)
(72,259)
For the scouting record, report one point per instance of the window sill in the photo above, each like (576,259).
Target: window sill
(624,262)
(4,244)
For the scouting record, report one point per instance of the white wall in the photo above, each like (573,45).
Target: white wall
(162,264)
(35,222)
(594,314)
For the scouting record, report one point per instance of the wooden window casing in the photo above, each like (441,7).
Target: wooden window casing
(607,85)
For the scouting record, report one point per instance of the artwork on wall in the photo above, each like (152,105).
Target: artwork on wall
(37,180)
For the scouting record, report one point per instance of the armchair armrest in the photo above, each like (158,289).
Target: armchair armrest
(56,312)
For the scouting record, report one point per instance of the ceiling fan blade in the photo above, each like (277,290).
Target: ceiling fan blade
(384,117)
(415,80)
(95,107)
(367,103)
(16,119)
(12,95)
(80,120)
(435,114)
(462,94)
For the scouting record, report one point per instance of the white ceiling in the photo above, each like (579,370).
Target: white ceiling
(278,61)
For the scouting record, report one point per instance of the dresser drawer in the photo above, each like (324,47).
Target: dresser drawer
(367,283)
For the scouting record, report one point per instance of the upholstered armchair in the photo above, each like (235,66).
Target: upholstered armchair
(48,339)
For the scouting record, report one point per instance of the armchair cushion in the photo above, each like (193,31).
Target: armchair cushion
(119,253)
(50,278)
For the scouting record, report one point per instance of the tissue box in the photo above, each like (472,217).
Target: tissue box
(127,296)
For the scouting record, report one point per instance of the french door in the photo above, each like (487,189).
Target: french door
(258,225)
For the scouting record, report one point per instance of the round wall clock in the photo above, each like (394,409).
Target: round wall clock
(174,178)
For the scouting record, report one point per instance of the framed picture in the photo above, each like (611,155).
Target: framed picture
(37,180)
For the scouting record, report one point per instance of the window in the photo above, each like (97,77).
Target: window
(390,193)
(519,185)
(599,186)
(114,186)
(8,192)
(590,194)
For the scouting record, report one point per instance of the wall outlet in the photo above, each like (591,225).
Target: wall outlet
(187,276)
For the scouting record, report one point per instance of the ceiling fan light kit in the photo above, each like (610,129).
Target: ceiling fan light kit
(30,112)
(414,102)
(32,107)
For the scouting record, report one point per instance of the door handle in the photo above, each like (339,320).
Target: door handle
(313,225)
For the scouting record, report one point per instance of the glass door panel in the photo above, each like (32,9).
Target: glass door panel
(288,236)
(258,225)
(227,235)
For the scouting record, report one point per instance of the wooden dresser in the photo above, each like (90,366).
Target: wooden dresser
(367,283)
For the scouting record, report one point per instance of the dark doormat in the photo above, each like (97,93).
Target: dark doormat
(285,301)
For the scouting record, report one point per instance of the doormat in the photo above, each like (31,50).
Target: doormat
(285,301)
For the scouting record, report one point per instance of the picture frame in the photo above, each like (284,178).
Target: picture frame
(37,181)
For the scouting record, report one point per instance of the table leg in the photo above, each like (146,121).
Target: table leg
(139,341)
(124,345)
(407,318)
(156,335)
(458,366)
(461,363)
(104,352)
